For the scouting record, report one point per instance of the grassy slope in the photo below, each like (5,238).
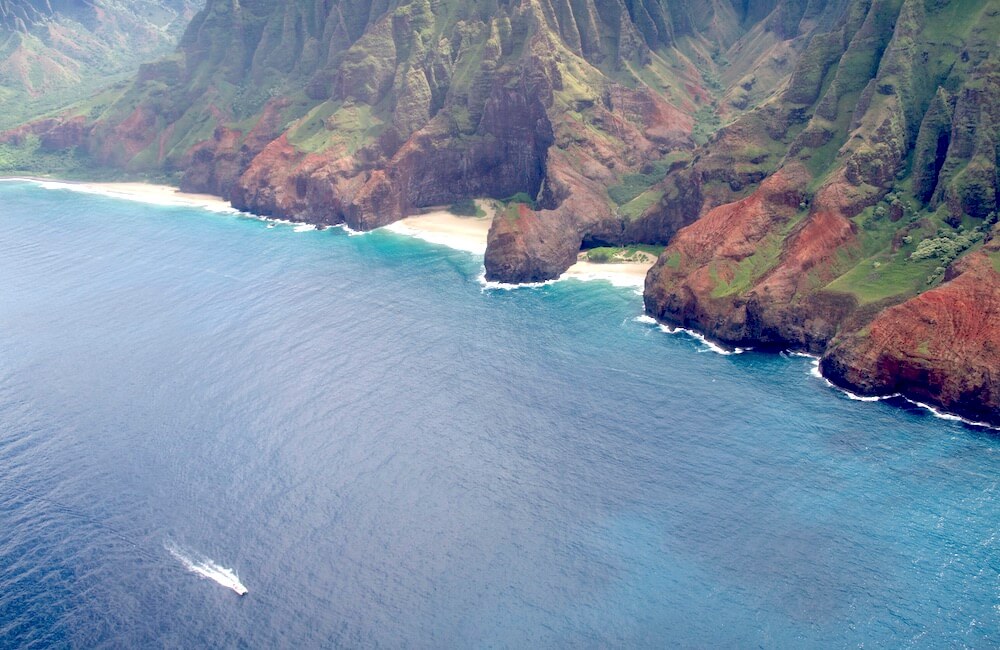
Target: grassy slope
(63,62)
(887,268)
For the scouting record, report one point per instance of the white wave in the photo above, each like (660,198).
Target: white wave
(206,568)
(351,231)
(275,221)
(951,417)
(710,346)
(815,372)
(304,227)
(507,286)
(616,279)
(944,415)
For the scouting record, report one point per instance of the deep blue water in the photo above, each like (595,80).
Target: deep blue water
(389,455)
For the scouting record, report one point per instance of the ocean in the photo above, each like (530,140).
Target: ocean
(386,453)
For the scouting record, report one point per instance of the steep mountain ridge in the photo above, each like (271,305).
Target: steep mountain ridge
(53,52)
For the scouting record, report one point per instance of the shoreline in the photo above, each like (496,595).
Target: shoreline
(138,191)
(468,234)
(814,371)
(436,226)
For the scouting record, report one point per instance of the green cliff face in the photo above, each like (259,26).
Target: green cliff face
(55,52)
(364,111)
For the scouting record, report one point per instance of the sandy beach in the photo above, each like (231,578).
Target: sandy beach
(622,274)
(141,192)
(447,229)
(437,226)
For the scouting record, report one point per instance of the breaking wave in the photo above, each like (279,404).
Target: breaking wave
(710,346)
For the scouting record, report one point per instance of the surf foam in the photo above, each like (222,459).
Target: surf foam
(456,241)
(507,286)
(710,346)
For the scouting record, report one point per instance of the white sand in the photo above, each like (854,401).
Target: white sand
(141,192)
(620,274)
(444,228)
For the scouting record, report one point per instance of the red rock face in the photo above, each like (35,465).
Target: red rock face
(54,133)
(811,248)
(215,165)
(702,280)
(941,347)
(128,138)
(530,245)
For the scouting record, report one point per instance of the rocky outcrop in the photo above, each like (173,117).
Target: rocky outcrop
(724,274)
(941,347)
(54,133)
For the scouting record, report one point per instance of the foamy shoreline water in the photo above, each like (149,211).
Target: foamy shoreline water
(814,371)
(441,227)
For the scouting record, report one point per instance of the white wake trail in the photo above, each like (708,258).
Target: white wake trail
(206,568)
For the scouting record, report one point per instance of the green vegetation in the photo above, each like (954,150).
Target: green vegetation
(637,253)
(640,204)
(466,208)
(995,259)
(748,270)
(31,158)
(873,280)
(633,185)
(925,245)
(946,247)
(706,123)
(347,126)
(520,197)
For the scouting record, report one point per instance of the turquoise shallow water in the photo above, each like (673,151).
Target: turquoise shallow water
(388,455)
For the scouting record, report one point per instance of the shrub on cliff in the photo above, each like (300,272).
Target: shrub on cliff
(466,208)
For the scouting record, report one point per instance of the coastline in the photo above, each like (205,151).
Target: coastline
(468,234)
(437,226)
(141,192)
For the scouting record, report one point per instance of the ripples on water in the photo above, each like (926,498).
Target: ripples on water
(388,455)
